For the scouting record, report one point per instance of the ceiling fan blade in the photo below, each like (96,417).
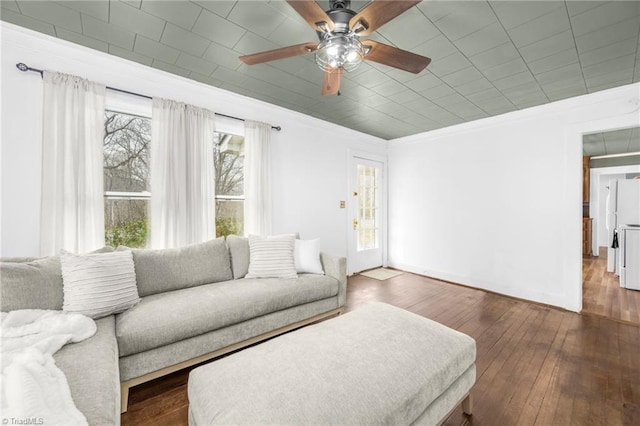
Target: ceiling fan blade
(281,53)
(394,57)
(312,13)
(331,81)
(379,12)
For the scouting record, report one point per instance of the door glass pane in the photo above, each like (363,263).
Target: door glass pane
(368,196)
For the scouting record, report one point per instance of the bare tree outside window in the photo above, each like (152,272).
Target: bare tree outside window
(126,178)
(229,184)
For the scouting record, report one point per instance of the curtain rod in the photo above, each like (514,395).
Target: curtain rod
(23,67)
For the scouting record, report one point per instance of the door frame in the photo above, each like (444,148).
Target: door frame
(384,208)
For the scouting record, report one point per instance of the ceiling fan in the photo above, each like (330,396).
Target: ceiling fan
(340,49)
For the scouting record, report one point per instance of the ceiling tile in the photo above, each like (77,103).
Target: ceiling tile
(462,76)
(435,93)
(474,87)
(420,29)
(82,39)
(27,22)
(97,9)
(522,90)
(9,5)
(405,96)
(205,79)
(548,46)
(466,18)
(181,13)
(613,65)
(448,100)
(436,48)
(512,67)
(401,75)
(301,67)
(438,9)
(52,13)
(256,16)
(222,55)
(514,80)
(605,15)
(135,20)
(612,51)
(513,14)
(578,7)
(251,43)
(371,78)
(218,7)
(497,106)
(540,28)
(155,50)
(484,39)
(106,32)
(184,40)
(529,100)
(566,92)
(484,95)
(466,110)
(388,88)
(131,56)
(194,63)
(170,68)
(608,35)
(215,28)
(423,82)
(568,72)
(292,32)
(555,61)
(619,77)
(451,63)
(229,76)
(497,56)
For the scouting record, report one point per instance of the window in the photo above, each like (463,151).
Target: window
(126,179)
(229,185)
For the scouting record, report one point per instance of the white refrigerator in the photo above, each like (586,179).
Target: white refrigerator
(629,263)
(623,208)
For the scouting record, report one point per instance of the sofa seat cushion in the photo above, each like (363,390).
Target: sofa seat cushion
(92,371)
(169,317)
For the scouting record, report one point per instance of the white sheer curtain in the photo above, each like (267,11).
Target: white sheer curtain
(72,210)
(182,208)
(257,178)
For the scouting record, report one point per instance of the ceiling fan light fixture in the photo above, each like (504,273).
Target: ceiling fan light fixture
(340,51)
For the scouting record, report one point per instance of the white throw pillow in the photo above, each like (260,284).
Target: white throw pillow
(271,257)
(99,284)
(307,256)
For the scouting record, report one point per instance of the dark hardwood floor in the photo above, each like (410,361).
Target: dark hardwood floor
(602,294)
(536,365)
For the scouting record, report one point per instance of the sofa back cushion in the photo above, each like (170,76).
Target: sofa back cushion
(35,284)
(159,271)
(239,251)
(32,283)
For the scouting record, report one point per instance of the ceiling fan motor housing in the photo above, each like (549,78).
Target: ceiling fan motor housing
(340,13)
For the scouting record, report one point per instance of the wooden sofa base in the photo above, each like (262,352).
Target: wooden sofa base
(467,407)
(125,386)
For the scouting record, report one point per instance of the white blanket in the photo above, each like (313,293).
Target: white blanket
(32,385)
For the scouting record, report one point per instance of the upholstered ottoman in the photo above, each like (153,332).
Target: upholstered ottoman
(376,365)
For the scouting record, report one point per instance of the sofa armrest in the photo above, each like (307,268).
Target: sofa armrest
(336,267)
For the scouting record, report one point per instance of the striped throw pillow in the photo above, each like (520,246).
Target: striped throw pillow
(271,257)
(100,284)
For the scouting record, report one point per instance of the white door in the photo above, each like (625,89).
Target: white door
(367,215)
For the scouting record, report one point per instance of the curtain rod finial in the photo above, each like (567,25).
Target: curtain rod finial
(22,67)
(278,128)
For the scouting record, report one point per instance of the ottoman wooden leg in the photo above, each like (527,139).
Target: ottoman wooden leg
(467,405)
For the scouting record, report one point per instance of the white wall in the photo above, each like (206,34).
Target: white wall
(309,155)
(497,203)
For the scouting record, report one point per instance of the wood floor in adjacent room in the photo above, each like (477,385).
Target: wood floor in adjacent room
(602,294)
(535,364)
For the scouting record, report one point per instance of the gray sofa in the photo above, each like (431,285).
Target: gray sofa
(195,305)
